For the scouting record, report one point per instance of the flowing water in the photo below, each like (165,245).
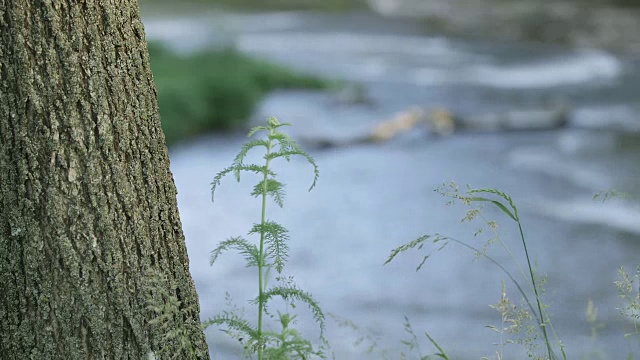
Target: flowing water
(371,199)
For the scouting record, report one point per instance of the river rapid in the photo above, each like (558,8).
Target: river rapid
(373,198)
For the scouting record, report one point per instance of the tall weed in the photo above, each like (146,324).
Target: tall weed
(270,253)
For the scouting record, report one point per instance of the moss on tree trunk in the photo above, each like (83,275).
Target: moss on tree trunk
(87,201)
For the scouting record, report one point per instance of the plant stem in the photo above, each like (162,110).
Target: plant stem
(261,253)
(535,291)
(504,270)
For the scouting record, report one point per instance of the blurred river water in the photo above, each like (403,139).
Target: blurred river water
(370,199)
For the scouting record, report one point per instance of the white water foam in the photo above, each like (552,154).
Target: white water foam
(418,8)
(198,31)
(618,214)
(367,57)
(586,143)
(587,66)
(272,21)
(349,43)
(549,163)
(624,117)
(184,34)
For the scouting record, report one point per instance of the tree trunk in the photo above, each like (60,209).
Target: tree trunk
(87,202)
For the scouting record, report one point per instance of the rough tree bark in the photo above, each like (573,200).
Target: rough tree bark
(87,202)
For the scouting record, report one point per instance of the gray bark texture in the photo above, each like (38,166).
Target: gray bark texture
(88,205)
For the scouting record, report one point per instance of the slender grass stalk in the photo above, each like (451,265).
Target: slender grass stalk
(442,354)
(513,214)
(543,325)
(510,209)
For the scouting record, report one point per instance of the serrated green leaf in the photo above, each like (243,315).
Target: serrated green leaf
(291,293)
(275,238)
(233,322)
(237,168)
(247,250)
(275,189)
(254,130)
(247,147)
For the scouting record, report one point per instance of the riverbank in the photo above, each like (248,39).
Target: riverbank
(216,90)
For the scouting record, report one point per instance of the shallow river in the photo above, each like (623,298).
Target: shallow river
(371,199)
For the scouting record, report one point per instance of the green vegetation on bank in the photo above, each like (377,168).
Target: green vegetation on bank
(216,90)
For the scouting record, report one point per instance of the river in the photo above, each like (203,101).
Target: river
(370,199)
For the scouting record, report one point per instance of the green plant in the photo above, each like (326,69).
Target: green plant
(215,90)
(513,321)
(629,291)
(510,313)
(591,314)
(592,319)
(413,345)
(270,253)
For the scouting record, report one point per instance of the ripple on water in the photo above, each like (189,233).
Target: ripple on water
(618,214)
(588,66)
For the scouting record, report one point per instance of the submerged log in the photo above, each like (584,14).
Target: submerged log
(441,122)
(444,123)
(383,131)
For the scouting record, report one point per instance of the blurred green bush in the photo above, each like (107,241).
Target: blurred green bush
(215,90)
